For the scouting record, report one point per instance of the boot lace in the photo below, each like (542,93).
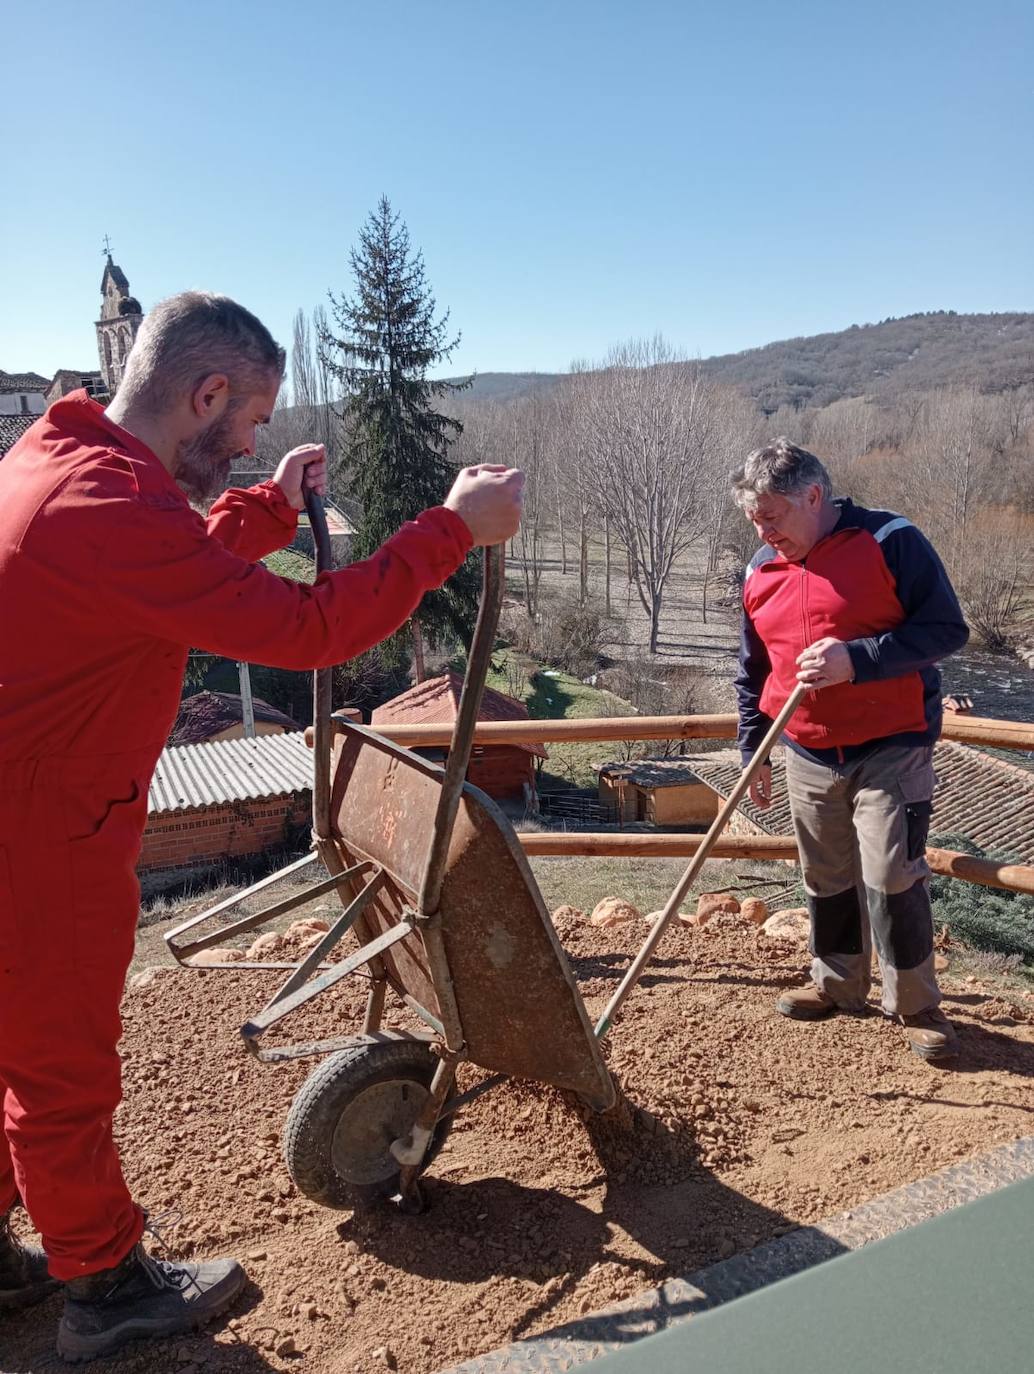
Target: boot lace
(166,1273)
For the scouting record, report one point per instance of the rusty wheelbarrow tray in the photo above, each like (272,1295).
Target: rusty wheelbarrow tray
(448,915)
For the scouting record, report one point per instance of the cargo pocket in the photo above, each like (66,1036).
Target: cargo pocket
(917,792)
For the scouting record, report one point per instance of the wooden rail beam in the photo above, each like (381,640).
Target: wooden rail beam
(947,862)
(1002,734)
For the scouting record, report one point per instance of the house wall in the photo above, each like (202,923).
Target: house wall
(182,839)
(694,804)
(22,403)
(502,772)
(627,797)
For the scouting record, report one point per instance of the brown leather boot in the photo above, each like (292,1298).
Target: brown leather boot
(930,1034)
(23,1271)
(142,1298)
(806,1004)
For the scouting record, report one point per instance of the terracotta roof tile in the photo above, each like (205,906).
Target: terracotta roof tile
(436,702)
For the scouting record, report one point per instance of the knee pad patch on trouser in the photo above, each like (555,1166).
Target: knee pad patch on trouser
(902,925)
(836,923)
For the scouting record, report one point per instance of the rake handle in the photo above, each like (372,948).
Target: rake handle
(719,823)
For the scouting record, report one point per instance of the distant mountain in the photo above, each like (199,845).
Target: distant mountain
(917,353)
(914,353)
(504,386)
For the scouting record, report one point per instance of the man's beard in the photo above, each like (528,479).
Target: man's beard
(203,463)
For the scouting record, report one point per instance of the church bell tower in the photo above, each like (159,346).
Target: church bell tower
(121,317)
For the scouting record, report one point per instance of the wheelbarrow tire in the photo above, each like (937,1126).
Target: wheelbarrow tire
(345,1115)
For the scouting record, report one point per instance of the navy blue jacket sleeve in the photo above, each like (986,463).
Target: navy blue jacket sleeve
(934,625)
(754,670)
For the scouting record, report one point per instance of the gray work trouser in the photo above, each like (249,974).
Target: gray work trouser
(861,829)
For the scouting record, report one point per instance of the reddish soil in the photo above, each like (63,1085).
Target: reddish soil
(748,1125)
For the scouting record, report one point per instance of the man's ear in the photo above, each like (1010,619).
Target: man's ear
(211,396)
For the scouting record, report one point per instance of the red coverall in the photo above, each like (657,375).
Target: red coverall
(106,577)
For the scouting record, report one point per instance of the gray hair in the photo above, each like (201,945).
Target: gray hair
(190,336)
(781,468)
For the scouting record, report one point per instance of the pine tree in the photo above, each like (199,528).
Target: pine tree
(386,339)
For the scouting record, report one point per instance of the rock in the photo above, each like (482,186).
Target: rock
(307,932)
(614,911)
(148,976)
(683,916)
(791,924)
(755,910)
(940,963)
(256,1255)
(710,904)
(568,913)
(206,958)
(269,943)
(382,1355)
(286,1346)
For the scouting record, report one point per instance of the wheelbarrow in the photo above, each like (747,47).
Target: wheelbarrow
(447,914)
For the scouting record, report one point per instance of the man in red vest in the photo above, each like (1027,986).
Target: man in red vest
(107,575)
(856,604)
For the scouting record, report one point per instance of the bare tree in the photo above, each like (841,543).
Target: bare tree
(652,423)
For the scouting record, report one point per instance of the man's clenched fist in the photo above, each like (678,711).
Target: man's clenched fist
(487,498)
(303,469)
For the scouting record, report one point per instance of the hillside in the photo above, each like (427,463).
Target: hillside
(914,353)
(917,352)
(504,386)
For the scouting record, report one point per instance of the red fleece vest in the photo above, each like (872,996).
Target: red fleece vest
(844,590)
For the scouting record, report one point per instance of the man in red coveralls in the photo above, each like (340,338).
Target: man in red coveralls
(106,576)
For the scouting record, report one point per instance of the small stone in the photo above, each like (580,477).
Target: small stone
(612,912)
(270,943)
(940,963)
(568,913)
(256,1255)
(755,910)
(711,904)
(791,925)
(286,1346)
(727,1249)
(382,1355)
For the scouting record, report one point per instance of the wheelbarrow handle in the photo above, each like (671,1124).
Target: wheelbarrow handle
(676,899)
(478,662)
(322,682)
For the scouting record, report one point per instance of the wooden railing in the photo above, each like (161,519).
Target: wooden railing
(1005,734)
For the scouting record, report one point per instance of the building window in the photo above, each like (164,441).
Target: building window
(25,404)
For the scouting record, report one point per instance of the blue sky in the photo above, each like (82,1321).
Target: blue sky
(576,173)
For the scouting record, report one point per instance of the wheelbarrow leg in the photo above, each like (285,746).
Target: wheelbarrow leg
(374,1006)
(411,1149)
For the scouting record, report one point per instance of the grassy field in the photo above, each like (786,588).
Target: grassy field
(552,695)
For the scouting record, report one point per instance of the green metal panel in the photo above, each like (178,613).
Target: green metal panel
(954,1295)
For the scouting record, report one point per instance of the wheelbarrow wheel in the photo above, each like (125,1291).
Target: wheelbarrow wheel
(347,1113)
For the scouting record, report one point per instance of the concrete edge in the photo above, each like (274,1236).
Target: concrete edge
(679,1299)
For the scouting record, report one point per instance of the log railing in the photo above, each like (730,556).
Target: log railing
(1004,734)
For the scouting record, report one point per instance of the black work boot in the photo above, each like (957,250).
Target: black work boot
(143,1298)
(23,1271)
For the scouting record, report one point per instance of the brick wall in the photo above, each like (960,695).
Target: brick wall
(182,839)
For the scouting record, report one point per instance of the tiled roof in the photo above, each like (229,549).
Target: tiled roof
(209,713)
(654,773)
(436,702)
(23,381)
(987,799)
(230,770)
(12,427)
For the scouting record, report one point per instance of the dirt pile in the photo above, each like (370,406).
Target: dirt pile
(738,1125)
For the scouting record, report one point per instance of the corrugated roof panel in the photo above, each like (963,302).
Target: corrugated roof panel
(197,775)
